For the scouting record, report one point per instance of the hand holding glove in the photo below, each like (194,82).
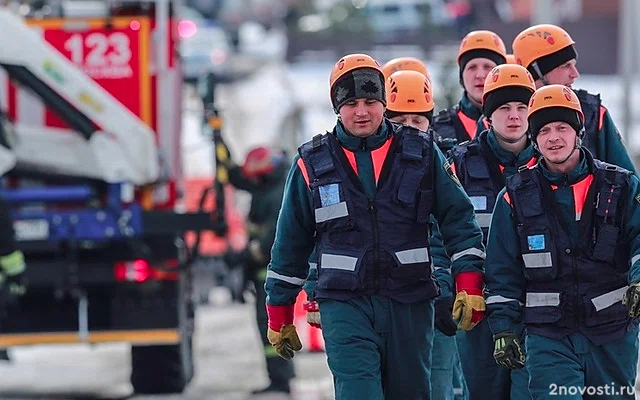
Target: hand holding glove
(443,317)
(631,298)
(469,305)
(313,314)
(281,332)
(508,351)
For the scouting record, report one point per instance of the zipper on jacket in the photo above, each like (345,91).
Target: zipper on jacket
(577,303)
(376,244)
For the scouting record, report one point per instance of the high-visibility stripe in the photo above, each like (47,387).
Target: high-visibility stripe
(507,198)
(331,212)
(479,202)
(608,299)
(303,169)
(603,110)
(351,157)
(137,337)
(413,256)
(468,252)
(469,124)
(532,162)
(580,191)
(500,299)
(543,299)
(378,156)
(483,219)
(537,260)
(338,261)
(289,279)
(486,123)
(635,258)
(313,265)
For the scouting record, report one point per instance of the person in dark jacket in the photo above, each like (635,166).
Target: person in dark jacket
(362,196)
(563,257)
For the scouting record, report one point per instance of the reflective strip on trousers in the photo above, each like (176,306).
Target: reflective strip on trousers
(537,260)
(483,219)
(608,299)
(289,279)
(413,256)
(331,212)
(337,261)
(500,299)
(468,252)
(543,299)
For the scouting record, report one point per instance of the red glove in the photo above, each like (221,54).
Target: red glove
(469,305)
(313,314)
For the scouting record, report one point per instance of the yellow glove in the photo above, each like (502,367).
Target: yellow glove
(469,306)
(286,342)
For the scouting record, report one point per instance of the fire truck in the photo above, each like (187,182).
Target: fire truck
(91,167)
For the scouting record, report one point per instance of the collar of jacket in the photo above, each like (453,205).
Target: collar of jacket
(574,176)
(504,156)
(468,108)
(353,143)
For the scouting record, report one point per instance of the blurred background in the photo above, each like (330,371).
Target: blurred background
(265,65)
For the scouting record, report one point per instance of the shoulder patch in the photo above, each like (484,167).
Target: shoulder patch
(449,170)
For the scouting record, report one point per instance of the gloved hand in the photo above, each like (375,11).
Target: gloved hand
(281,332)
(632,299)
(469,306)
(443,318)
(12,279)
(313,314)
(508,351)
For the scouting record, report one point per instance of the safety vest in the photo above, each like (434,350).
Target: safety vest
(569,287)
(481,176)
(593,120)
(454,127)
(378,246)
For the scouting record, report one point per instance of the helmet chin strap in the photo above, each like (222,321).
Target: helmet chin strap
(536,68)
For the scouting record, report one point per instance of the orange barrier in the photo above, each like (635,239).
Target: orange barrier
(311,337)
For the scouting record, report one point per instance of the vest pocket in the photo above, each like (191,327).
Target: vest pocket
(340,270)
(605,308)
(407,191)
(332,210)
(424,206)
(604,247)
(538,255)
(542,308)
(411,264)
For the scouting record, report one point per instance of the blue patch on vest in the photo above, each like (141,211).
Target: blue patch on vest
(329,194)
(536,242)
(479,202)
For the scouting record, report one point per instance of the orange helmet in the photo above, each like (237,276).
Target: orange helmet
(259,162)
(511,59)
(409,92)
(344,90)
(482,41)
(532,47)
(549,104)
(351,62)
(506,83)
(404,64)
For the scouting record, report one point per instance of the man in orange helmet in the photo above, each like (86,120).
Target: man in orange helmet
(479,52)
(263,175)
(563,258)
(482,166)
(549,53)
(405,64)
(362,197)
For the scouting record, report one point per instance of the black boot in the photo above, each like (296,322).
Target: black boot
(274,387)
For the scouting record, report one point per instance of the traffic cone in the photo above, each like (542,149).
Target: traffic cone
(311,337)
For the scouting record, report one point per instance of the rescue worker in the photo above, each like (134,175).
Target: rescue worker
(263,175)
(564,248)
(478,53)
(410,102)
(13,283)
(549,53)
(362,196)
(482,166)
